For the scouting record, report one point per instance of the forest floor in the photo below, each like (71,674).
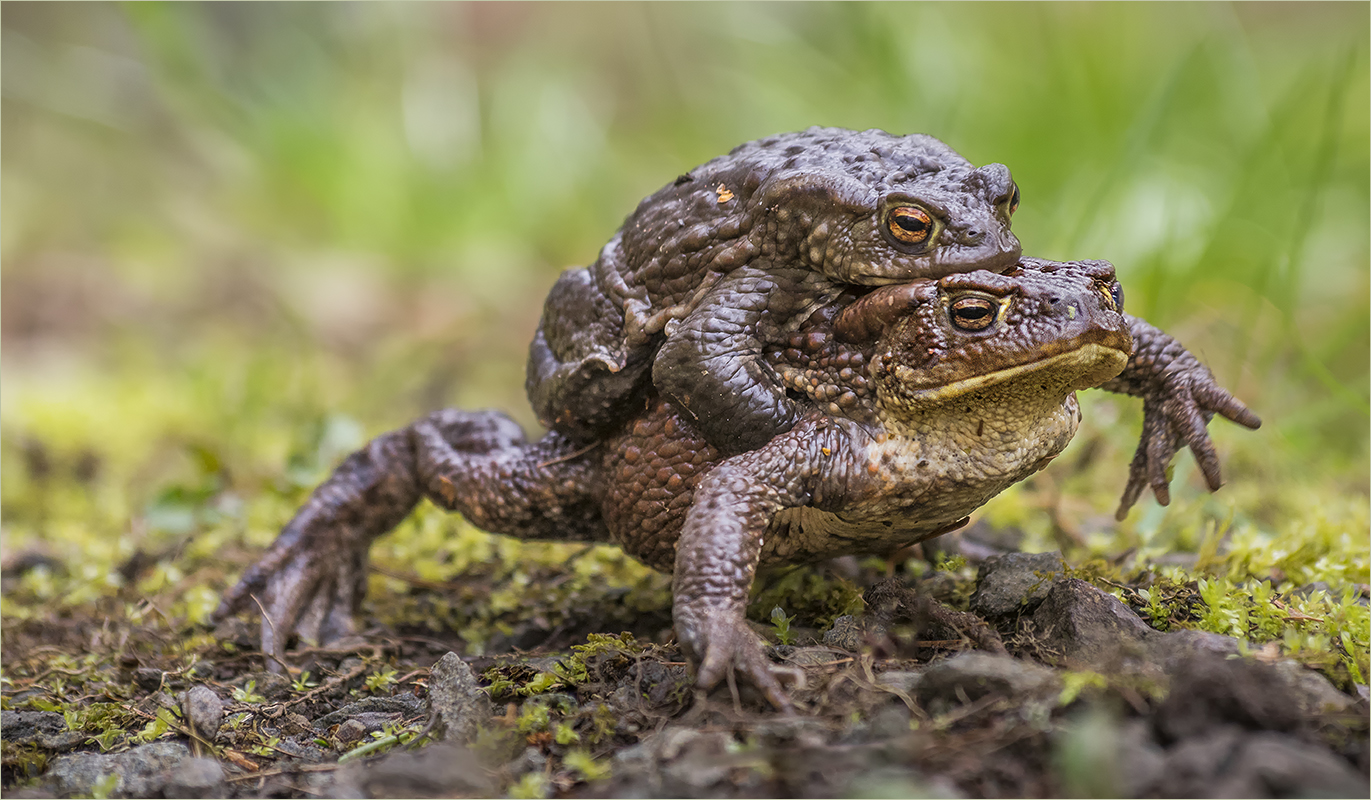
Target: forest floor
(1100,682)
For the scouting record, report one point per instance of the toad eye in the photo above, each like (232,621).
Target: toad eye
(1014,200)
(1113,296)
(909,224)
(973,313)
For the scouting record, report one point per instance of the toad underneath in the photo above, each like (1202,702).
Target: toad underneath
(920,401)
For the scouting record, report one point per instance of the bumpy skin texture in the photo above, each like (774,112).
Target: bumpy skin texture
(920,402)
(709,270)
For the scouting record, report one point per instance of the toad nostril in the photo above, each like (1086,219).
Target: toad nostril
(1054,299)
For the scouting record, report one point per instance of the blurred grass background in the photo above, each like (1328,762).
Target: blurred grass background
(237,239)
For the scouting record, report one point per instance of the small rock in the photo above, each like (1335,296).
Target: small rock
(1140,759)
(149,678)
(25,727)
(1017,582)
(1191,765)
(1230,763)
(1315,693)
(404,704)
(845,633)
(1079,623)
(201,670)
(345,782)
(271,685)
(203,710)
(196,777)
(372,721)
(142,771)
(686,762)
(46,729)
(531,760)
(852,632)
(442,769)
(694,761)
(974,675)
(813,656)
(664,685)
(458,706)
(827,771)
(1209,691)
(1280,765)
(293,724)
(305,751)
(350,731)
(1172,649)
(790,731)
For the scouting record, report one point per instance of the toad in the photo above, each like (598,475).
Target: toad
(919,402)
(724,263)
(710,269)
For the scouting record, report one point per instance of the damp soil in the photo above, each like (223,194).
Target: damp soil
(1012,677)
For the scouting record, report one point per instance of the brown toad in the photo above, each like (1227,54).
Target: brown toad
(921,402)
(713,267)
(725,262)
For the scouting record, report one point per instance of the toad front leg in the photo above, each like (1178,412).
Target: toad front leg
(722,540)
(313,577)
(1180,397)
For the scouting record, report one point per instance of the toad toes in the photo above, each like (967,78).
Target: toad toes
(921,402)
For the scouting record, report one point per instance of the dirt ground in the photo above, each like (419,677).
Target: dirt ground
(1062,690)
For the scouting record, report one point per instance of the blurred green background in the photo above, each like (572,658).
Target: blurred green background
(237,239)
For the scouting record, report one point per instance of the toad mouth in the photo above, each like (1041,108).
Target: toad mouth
(1088,363)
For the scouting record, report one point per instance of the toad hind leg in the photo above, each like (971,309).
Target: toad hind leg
(711,364)
(313,577)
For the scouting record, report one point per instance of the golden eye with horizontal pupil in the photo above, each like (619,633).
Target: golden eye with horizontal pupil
(1113,296)
(973,313)
(1014,200)
(910,224)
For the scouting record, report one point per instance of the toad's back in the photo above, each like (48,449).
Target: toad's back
(713,267)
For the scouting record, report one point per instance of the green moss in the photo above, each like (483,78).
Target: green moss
(529,787)
(23,760)
(813,597)
(584,766)
(177,391)
(1076,681)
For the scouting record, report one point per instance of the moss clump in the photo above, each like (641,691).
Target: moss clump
(809,596)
